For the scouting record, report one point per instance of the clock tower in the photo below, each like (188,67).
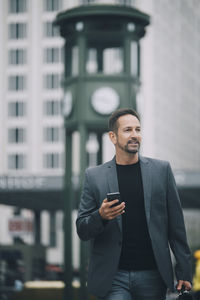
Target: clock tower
(102,71)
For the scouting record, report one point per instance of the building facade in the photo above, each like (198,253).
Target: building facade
(170,83)
(31,134)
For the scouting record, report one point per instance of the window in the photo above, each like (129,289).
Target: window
(106,60)
(52,5)
(51,81)
(72,61)
(134,58)
(88,1)
(52,108)
(17,6)
(91,65)
(17,83)
(17,56)
(16,109)
(50,30)
(17,30)
(75,60)
(16,161)
(51,160)
(126,2)
(52,55)
(16,135)
(52,134)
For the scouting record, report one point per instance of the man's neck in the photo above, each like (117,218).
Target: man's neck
(127,159)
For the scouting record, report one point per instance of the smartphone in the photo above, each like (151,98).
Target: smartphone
(113,196)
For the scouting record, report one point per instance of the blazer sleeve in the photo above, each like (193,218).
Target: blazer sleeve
(89,223)
(177,234)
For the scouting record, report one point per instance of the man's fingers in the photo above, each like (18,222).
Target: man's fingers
(110,203)
(117,207)
(114,215)
(118,210)
(179,285)
(105,200)
(108,211)
(186,284)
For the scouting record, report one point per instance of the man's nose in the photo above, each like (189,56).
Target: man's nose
(134,134)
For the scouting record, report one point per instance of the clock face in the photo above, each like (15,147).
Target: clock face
(105,100)
(67,103)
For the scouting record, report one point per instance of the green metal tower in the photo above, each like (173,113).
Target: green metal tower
(102,70)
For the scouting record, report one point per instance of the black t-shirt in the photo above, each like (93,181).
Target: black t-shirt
(137,253)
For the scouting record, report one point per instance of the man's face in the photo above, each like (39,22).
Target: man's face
(128,135)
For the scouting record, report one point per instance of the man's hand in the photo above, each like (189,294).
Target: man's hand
(107,212)
(182,283)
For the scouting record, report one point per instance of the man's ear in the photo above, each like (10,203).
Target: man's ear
(112,136)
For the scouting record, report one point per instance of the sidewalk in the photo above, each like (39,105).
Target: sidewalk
(171,296)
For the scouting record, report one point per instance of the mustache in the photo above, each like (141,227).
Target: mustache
(133,140)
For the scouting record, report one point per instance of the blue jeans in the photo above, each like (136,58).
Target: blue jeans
(137,285)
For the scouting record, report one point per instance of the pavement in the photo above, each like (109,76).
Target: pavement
(171,296)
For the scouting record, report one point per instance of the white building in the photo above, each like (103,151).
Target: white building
(31,131)
(31,60)
(170,90)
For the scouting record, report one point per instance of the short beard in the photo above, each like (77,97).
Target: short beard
(125,148)
(131,151)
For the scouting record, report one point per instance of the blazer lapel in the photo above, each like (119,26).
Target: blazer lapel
(113,184)
(146,181)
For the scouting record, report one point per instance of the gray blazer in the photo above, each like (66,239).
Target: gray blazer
(164,219)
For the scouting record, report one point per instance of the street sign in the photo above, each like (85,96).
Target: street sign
(19,226)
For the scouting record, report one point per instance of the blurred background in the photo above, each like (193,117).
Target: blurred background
(33,109)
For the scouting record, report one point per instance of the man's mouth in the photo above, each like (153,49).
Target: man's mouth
(133,142)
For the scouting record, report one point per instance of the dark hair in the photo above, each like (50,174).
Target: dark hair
(112,122)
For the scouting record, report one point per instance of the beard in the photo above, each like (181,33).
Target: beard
(127,148)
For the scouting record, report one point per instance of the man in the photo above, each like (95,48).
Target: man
(130,254)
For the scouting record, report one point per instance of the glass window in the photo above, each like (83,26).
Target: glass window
(52,134)
(52,108)
(75,60)
(17,56)
(51,81)
(126,2)
(72,61)
(52,55)
(51,160)
(52,5)
(134,58)
(88,1)
(17,30)
(16,161)
(16,109)
(62,54)
(17,6)
(106,60)
(16,135)
(112,60)
(50,30)
(17,83)
(91,64)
